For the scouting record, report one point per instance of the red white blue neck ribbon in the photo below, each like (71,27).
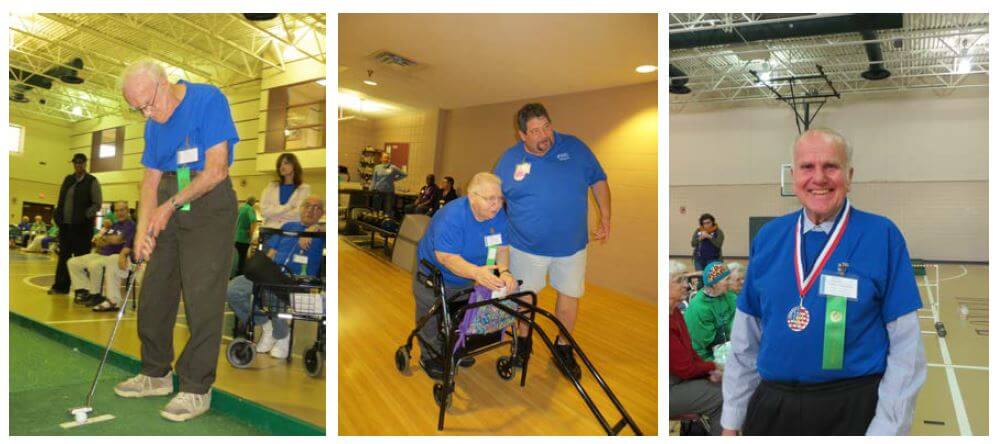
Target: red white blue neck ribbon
(805,282)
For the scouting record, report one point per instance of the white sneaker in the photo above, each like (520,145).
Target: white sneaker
(267,340)
(141,386)
(185,406)
(280,350)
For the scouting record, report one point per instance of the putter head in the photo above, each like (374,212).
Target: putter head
(80,410)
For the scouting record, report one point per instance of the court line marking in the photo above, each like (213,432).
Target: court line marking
(965,429)
(959,366)
(964,272)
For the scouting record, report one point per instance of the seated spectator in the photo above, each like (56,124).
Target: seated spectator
(427,200)
(736,273)
(709,316)
(110,262)
(301,256)
(39,227)
(24,231)
(40,244)
(447,193)
(695,384)
(458,242)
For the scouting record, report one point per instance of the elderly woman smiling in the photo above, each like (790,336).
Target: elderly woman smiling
(467,241)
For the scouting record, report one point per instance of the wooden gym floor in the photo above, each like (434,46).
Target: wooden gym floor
(281,386)
(376,313)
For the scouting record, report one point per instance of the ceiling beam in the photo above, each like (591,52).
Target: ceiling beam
(225,41)
(75,99)
(287,42)
(119,42)
(41,74)
(150,32)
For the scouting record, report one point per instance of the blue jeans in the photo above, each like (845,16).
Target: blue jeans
(239,294)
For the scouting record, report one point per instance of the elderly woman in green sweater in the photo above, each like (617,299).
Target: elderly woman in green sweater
(709,317)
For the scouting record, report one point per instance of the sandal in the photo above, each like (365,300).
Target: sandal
(105,306)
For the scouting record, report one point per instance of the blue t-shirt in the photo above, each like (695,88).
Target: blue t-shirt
(285,191)
(201,121)
(454,229)
(876,254)
(288,247)
(548,205)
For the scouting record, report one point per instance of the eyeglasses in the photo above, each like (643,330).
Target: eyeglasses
(313,207)
(142,109)
(492,200)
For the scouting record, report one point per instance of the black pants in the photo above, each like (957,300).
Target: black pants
(74,240)
(837,408)
(241,256)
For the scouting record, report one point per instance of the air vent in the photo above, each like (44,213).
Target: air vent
(395,60)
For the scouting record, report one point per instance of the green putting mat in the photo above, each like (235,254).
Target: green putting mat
(48,378)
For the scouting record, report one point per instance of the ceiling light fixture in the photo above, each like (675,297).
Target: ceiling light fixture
(77,111)
(369,81)
(645,69)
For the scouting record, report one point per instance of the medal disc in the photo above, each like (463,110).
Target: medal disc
(798,318)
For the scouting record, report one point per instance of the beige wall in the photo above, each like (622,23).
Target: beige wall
(620,126)
(40,167)
(920,158)
(353,136)
(420,130)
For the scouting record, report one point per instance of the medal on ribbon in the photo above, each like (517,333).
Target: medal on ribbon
(798,317)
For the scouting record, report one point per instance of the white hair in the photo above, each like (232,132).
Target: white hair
(480,180)
(830,136)
(735,267)
(676,268)
(147,68)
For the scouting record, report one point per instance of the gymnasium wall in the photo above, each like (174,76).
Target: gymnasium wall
(620,126)
(35,172)
(252,168)
(920,158)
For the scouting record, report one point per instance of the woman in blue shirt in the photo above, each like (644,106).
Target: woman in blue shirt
(458,242)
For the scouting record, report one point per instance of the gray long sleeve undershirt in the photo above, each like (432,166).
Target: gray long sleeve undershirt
(905,374)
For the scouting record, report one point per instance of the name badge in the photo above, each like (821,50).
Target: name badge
(843,286)
(521,170)
(187,156)
(300,259)
(493,240)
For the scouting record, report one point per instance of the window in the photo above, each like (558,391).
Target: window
(296,117)
(106,149)
(15,141)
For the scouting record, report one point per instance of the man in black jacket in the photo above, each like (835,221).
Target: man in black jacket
(79,202)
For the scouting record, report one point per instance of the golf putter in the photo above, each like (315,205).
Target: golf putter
(81,414)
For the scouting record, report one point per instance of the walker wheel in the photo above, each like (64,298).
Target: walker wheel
(240,353)
(438,395)
(315,361)
(505,368)
(402,359)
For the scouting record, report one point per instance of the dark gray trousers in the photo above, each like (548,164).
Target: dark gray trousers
(192,259)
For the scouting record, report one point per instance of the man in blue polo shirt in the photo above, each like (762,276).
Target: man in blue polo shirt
(826,337)
(467,241)
(546,178)
(187,226)
(300,256)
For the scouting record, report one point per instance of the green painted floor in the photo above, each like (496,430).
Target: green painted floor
(48,378)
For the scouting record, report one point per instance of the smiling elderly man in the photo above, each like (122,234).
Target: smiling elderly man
(187,226)
(826,337)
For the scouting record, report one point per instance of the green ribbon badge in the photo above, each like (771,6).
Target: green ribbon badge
(183,180)
(833,333)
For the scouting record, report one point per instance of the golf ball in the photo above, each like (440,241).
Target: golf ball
(81,417)
(76,349)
